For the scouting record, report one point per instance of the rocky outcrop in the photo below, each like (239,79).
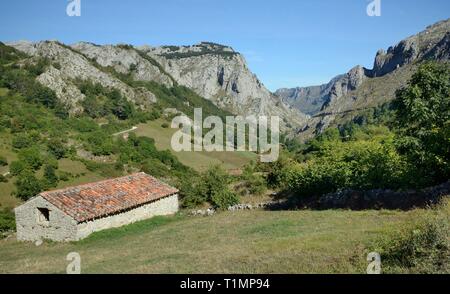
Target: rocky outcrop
(213,71)
(221,75)
(308,100)
(343,94)
(124,59)
(71,66)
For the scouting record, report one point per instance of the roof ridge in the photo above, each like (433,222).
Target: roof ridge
(97,199)
(94,183)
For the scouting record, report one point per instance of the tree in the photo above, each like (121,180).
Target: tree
(3,161)
(56,148)
(32,157)
(50,178)
(27,185)
(423,117)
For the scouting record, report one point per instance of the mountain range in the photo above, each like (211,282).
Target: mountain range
(221,75)
(359,89)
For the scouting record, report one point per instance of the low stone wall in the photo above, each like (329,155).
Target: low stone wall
(379,199)
(237,207)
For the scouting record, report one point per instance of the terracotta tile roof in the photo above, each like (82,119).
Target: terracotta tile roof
(90,201)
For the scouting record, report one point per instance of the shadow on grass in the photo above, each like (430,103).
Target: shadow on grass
(134,228)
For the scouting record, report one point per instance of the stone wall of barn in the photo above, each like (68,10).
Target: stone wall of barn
(60,226)
(164,206)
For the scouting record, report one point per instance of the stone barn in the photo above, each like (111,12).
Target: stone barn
(74,213)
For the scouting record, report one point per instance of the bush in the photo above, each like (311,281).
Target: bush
(222,199)
(32,157)
(17,167)
(22,140)
(50,179)
(165,125)
(27,185)
(423,247)
(3,161)
(361,165)
(7,221)
(56,148)
(212,186)
(252,182)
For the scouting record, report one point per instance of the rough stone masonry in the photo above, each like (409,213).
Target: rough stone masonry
(74,213)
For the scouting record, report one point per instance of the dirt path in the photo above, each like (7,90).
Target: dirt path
(126,131)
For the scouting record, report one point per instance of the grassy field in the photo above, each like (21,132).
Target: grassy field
(239,242)
(197,160)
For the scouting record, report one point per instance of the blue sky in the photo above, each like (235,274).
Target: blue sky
(287,43)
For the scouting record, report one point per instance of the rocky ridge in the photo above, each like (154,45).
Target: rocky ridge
(347,93)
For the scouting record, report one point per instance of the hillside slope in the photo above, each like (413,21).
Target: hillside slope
(214,72)
(363,88)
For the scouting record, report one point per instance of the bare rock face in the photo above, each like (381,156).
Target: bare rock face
(309,100)
(213,71)
(343,93)
(124,59)
(74,65)
(221,75)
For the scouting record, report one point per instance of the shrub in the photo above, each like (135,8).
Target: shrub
(32,157)
(212,186)
(27,185)
(165,125)
(252,182)
(56,148)
(358,165)
(3,179)
(22,140)
(7,220)
(423,247)
(50,178)
(222,199)
(3,161)
(64,176)
(16,167)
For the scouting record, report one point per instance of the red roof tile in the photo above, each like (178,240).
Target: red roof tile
(90,201)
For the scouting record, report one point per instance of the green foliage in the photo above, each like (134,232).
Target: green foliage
(3,161)
(164,125)
(181,98)
(100,101)
(423,116)
(212,186)
(9,54)
(31,157)
(7,220)
(252,182)
(365,159)
(56,148)
(24,140)
(50,178)
(27,185)
(365,154)
(16,167)
(422,247)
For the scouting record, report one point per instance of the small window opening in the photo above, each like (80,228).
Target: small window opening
(43,215)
